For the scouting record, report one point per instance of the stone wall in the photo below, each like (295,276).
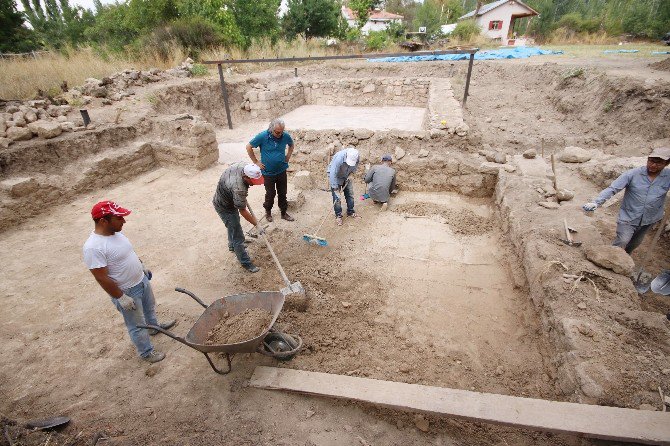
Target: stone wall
(379,91)
(424,163)
(269,101)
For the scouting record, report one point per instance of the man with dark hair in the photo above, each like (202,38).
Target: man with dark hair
(111,259)
(230,201)
(643,202)
(276,147)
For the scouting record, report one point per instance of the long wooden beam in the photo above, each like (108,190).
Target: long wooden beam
(608,423)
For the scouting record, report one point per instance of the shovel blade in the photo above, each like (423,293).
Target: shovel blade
(643,282)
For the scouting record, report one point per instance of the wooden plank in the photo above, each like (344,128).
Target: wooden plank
(608,423)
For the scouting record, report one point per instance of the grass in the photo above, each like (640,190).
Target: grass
(21,78)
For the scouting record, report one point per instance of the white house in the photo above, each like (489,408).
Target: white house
(497,19)
(378,20)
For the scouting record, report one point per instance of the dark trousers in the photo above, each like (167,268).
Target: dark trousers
(276,185)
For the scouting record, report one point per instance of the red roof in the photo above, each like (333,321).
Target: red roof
(374,15)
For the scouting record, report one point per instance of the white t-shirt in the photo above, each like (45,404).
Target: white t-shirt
(117,254)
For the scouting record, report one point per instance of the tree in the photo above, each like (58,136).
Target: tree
(362,10)
(311,18)
(428,15)
(256,19)
(14,36)
(216,11)
(58,23)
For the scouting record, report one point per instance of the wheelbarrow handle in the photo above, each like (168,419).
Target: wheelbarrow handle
(165,332)
(196,298)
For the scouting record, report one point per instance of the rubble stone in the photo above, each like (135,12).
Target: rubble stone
(423,153)
(19,134)
(530,154)
(4,143)
(399,153)
(19,187)
(45,129)
(574,154)
(611,257)
(303,180)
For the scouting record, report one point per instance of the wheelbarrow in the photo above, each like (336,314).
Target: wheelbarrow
(268,342)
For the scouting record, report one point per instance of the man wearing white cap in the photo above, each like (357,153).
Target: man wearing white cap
(643,202)
(230,201)
(343,164)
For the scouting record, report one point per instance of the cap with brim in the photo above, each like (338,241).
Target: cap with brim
(253,172)
(352,157)
(387,157)
(661,152)
(104,208)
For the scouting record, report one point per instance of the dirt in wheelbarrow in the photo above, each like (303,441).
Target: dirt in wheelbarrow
(240,327)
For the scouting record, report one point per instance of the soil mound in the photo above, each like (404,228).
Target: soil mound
(461,221)
(241,327)
(663,65)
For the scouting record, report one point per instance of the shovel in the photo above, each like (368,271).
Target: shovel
(291,288)
(642,286)
(568,236)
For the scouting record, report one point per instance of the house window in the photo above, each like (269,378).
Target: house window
(495,24)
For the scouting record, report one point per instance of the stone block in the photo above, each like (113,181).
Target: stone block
(303,180)
(611,257)
(295,199)
(45,129)
(574,155)
(20,186)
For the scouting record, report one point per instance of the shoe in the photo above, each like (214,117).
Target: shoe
(164,326)
(385,206)
(251,268)
(287,217)
(354,215)
(339,221)
(231,249)
(268,217)
(154,356)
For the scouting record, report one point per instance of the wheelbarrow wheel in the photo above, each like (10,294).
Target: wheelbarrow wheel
(220,372)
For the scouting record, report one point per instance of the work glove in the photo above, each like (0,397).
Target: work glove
(127,302)
(590,207)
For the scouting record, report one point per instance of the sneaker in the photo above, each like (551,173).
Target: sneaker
(164,326)
(154,356)
(251,268)
(287,217)
(339,221)
(354,215)
(268,217)
(231,249)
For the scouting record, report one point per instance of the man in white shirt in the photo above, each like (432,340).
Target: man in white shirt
(111,259)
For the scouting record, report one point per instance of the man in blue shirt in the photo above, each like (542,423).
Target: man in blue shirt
(274,162)
(343,164)
(643,202)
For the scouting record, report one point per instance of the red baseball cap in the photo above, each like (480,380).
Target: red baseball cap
(108,208)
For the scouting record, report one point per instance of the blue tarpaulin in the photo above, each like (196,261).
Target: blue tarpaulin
(520,52)
(620,51)
(660,52)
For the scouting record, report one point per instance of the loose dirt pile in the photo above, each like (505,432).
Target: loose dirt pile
(661,65)
(241,327)
(463,222)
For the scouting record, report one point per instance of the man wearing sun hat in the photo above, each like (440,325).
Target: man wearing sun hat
(381,178)
(643,202)
(230,201)
(111,259)
(344,163)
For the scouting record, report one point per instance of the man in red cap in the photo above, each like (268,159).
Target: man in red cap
(111,259)
(230,201)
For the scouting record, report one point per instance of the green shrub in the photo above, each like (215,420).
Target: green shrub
(199,70)
(466,30)
(375,40)
(352,35)
(395,31)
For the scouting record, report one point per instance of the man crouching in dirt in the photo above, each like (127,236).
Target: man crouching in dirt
(381,179)
(343,164)
(643,201)
(111,259)
(230,201)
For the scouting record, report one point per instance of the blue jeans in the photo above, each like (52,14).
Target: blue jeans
(629,236)
(348,196)
(143,314)
(235,234)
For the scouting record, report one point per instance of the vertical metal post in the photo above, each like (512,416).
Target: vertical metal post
(225,96)
(467,80)
(296,71)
